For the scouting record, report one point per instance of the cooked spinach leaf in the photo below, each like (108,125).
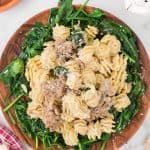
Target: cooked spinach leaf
(15,68)
(77,38)
(123,33)
(35,128)
(52,16)
(65,10)
(59,71)
(35,39)
(96,13)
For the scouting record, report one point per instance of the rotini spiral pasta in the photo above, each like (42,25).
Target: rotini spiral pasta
(118,74)
(127,88)
(69,134)
(73,106)
(67,116)
(88,76)
(35,107)
(41,76)
(91,31)
(118,79)
(118,62)
(105,67)
(35,110)
(93,65)
(81,127)
(33,65)
(85,54)
(107,124)
(35,73)
(72,66)
(61,33)
(94,130)
(101,49)
(91,96)
(113,44)
(74,81)
(48,56)
(99,78)
(121,101)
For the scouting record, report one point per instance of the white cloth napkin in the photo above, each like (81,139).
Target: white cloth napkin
(138,6)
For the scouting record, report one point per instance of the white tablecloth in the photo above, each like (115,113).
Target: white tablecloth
(11,19)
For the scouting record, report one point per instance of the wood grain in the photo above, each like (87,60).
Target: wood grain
(13,49)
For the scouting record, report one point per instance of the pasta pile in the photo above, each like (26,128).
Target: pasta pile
(73,89)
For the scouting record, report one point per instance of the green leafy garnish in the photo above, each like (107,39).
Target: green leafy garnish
(77,38)
(65,10)
(15,68)
(12,103)
(96,13)
(59,71)
(35,39)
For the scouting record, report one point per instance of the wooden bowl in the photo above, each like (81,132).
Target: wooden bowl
(12,50)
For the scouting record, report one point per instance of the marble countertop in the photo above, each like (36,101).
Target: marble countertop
(11,19)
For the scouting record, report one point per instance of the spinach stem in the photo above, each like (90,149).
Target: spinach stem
(80,146)
(89,142)
(78,18)
(80,9)
(127,55)
(55,138)
(103,146)
(74,17)
(12,103)
(4,101)
(36,142)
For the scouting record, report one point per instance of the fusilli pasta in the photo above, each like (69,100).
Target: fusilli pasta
(74,81)
(107,124)
(88,76)
(81,127)
(113,43)
(35,73)
(121,101)
(86,54)
(105,67)
(73,106)
(91,31)
(48,56)
(94,130)
(101,49)
(94,65)
(91,96)
(69,134)
(61,33)
(72,66)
